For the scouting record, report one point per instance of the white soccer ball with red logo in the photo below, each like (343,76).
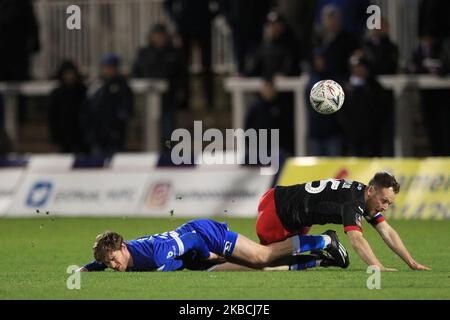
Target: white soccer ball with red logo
(326,96)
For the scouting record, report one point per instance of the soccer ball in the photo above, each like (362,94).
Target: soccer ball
(326,96)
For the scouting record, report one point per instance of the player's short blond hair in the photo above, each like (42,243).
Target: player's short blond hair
(106,242)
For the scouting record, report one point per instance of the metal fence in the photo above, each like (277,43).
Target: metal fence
(121,26)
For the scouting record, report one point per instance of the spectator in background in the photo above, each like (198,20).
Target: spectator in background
(354,15)
(433,16)
(246,20)
(278,54)
(300,17)
(66,104)
(383,57)
(19,39)
(333,48)
(273,111)
(193,19)
(427,59)
(109,110)
(380,51)
(367,111)
(161,60)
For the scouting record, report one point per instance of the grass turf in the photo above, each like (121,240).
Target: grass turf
(35,254)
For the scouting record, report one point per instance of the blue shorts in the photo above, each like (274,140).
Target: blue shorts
(216,235)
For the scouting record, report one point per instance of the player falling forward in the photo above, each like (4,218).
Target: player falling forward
(285,211)
(201,244)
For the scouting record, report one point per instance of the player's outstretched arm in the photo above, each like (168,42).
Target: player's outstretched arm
(395,243)
(93,266)
(363,249)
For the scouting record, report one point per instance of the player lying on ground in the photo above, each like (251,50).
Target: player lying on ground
(200,244)
(285,211)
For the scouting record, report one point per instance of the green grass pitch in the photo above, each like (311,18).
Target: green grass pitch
(35,253)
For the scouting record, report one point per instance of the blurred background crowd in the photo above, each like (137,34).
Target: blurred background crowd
(94,111)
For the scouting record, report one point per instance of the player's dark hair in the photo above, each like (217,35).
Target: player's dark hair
(384,180)
(106,242)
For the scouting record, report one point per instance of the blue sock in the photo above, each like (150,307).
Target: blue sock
(307,243)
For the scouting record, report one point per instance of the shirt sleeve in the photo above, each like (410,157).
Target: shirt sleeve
(378,218)
(95,266)
(351,217)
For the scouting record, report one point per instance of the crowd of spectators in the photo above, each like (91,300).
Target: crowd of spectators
(327,39)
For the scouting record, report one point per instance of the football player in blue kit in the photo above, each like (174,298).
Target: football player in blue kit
(201,244)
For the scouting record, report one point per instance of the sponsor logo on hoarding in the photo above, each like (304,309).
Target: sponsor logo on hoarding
(159,195)
(39,194)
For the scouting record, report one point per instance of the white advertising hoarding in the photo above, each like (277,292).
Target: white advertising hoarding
(10,180)
(204,193)
(161,192)
(79,193)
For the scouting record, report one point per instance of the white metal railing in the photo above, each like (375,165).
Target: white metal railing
(119,26)
(238,87)
(152,89)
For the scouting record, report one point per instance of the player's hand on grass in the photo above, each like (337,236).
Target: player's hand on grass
(418,266)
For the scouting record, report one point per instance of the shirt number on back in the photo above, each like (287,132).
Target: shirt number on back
(322,185)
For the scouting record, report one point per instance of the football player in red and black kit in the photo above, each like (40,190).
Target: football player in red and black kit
(287,210)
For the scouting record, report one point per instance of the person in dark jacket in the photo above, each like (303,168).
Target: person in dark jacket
(19,39)
(433,16)
(66,104)
(428,59)
(273,111)
(193,21)
(110,109)
(333,48)
(380,51)
(383,56)
(246,20)
(367,112)
(161,60)
(278,55)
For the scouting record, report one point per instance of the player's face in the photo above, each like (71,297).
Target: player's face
(118,259)
(379,200)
